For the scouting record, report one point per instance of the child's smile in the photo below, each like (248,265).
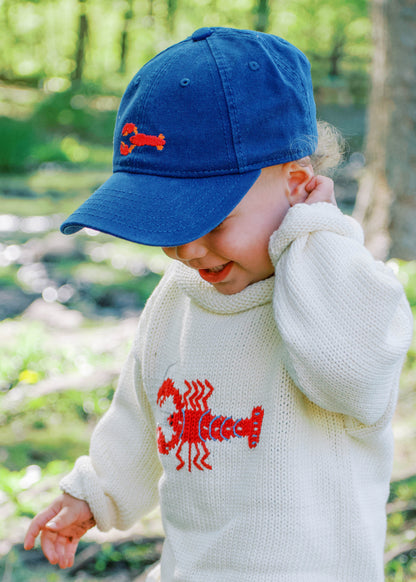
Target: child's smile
(235,254)
(216,274)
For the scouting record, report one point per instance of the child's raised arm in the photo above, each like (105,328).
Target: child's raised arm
(343,317)
(61,526)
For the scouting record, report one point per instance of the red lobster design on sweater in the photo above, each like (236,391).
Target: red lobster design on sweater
(194,423)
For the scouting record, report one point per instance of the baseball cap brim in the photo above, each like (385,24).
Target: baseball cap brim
(160,210)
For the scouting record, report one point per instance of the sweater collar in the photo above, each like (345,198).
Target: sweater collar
(207,297)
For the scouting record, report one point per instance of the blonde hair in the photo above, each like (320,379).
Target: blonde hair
(329,152)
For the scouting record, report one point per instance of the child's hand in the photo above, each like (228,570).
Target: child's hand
(61,525)
(320,189)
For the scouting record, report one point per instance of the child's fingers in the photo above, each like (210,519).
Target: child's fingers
(63,551)
(311,185)
(61,520)
(48,543)
(37,524)
(71,548)
(319,183)
(320,189)
(61,526)
(31,536)
(66,552)
(58,549)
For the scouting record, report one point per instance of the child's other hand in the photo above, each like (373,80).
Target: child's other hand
(320,189)
(61,526)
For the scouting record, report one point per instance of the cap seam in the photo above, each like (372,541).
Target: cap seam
(281,159)
(224,130)
(152,85)
(230,101)
(277,56)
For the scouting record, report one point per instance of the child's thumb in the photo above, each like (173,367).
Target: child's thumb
(61,520)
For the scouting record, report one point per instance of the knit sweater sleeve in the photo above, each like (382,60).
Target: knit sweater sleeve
(119,478)
(344,319)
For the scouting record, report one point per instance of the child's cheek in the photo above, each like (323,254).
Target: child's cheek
(169,251)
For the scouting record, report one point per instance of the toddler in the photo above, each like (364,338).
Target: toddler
(257,400)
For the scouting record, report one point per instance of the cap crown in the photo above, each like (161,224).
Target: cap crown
(223,101)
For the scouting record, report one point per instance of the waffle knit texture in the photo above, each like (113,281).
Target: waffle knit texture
(318,348)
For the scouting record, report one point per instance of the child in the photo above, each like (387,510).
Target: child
(257,400)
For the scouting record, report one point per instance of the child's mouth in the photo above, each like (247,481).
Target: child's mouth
(216,274)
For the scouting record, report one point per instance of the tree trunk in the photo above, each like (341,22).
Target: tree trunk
(386,200)
(337,51)
(171,13)
(262,11)
(128,15)
(81,42)
(372,208)
(401,145)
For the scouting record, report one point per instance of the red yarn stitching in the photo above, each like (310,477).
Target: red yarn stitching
(193,423)
(140,139)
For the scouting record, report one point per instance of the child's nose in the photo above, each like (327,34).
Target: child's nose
(192,250)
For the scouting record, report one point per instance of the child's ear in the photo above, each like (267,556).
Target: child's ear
(297,177)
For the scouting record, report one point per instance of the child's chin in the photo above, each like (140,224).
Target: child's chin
(230,288)
(236,286)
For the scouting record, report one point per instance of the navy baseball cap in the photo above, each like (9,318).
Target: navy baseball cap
(194,129)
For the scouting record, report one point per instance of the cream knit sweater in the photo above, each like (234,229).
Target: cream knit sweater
(261,421)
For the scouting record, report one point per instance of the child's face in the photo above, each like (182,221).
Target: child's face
(235,254)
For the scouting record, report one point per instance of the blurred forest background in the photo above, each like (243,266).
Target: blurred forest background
(69,305)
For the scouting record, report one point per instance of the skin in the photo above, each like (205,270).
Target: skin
(242,238)
(241,241)
(61,526)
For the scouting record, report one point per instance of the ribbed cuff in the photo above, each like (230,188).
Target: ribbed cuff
(82,483)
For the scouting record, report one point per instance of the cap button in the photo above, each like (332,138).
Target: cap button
(202,33)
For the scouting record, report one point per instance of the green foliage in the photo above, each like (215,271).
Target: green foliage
(401,523)
(39,40)
(334,35)
(136,557)
(67,127)
(403,568)
(14,565)
(24,359)
(407,274)
(28,358)
(46,191)
(76,111)
(18,139)
(107,562)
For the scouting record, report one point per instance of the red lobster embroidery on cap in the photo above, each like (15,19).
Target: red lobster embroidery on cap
(193,423)
(140,139)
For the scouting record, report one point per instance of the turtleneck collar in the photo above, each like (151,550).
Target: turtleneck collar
(207,297)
